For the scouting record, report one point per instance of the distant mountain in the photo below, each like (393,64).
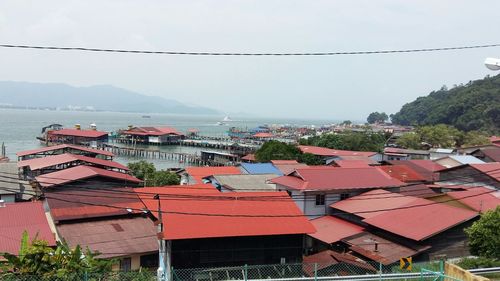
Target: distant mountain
(474,106)
(102,98)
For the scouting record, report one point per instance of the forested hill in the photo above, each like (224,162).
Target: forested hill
(474,106)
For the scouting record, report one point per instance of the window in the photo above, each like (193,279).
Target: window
(125,264)
(320,199)
(344,196)
(149,261)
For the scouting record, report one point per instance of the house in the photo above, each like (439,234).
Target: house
(328,155)
(228,229)
(92,138)
(287,166)
(457,160)
(488,154)
(19,217)
(259,168)
(436,153)
(408,220)
(192,175)
(315,188)
(479,199)
(330,230)
(38,166)
(151,135)
(425,168)
(486,174)
(64,148)
(217,157)
(13,188)
(86,177)
(243,183)
(392,153)
(111,221)
(354,163)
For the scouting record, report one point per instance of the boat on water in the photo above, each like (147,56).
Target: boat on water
(146,116)
(226,119)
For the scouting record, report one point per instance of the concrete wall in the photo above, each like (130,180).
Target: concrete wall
(461,274)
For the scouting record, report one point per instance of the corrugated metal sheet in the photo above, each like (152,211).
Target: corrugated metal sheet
(227,214)
(246,183)
(112,237)
(65,148)
(260,168)
(79,133)
(49,161)
(15,218)
(331,229)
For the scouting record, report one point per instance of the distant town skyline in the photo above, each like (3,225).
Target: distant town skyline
(336,87)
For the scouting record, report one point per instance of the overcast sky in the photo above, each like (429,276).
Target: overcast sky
(337,87)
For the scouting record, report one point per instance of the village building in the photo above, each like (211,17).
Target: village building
(427,169)
(486,174)
(479,199)
(218,158)
(315,188)
(86,177)
(488,155)
(151,135)
(402,173)
(14,189)
(111,221)
(91,138)
(196,175)
(457,160)
(328,155)
(29,169)
(243,183)
(391,153)
(61,149)
(231,228)
(287,166)
(18,217)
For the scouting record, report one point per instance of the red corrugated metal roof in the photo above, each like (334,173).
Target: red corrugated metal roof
(78,133)
(249,157)
(73,203)
(263,135)
(322,151)
(289,168)
(492,153)
(331,229)
(494,139)
(226,214)
(402,173)
(425,168)
(284,162)
(367,204)
(113,237)
(330,178)
(420,222)
(15,218)
(198,173)
(152,131)
(53,160)
(329,258)
(64,147)
(353,163)
(491,169)
(480,199)
(82,172)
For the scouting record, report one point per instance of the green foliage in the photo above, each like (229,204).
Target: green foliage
(37,258)
(441,136)
(480,262)
(377,117)
(357,141)
(147,172)
(346,123)
(275,150)
(475,106)
(484,235)
(142,169)
(310,159)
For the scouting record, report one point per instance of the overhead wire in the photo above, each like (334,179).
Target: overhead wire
(186,53)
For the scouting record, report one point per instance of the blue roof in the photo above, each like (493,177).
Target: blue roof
(260,168)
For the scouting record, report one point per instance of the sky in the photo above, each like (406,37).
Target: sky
(335,87)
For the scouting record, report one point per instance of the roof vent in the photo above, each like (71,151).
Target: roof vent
(2,204)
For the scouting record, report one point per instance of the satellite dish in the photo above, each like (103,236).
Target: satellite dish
(492,63)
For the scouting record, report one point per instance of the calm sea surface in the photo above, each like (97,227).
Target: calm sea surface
(19,128)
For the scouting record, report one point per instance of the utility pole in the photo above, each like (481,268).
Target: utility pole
(164,248)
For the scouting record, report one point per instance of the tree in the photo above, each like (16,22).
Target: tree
(440,135)
(142,169)
(410,141)
(346,123)
(275,150)
(377,117)
(357,141)
(484,235)
(161,178)
(310,159)
(147,172)
(37,258)
(474,138)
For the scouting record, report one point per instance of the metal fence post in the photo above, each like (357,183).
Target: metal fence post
(380,271)
(441,270)
(245,272)
(315,271)
(85,276)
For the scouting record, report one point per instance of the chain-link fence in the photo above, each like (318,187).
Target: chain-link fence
(306,271)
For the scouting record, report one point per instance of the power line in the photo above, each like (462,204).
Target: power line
(85,49)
